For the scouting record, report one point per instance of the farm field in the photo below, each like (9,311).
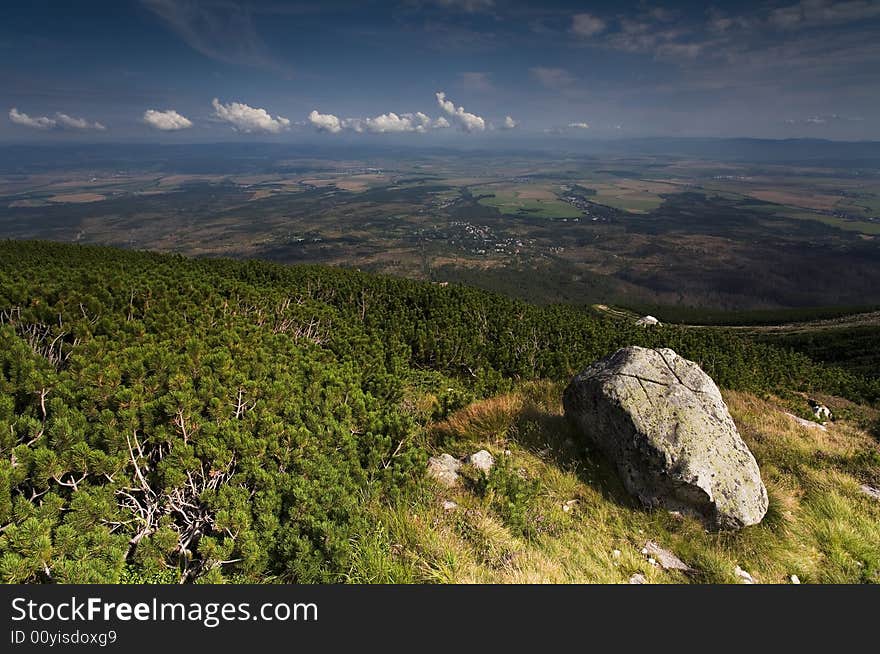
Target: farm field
(626,228)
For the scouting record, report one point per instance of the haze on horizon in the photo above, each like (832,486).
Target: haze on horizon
(437,71)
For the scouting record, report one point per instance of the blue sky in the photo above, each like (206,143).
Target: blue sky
(213,70)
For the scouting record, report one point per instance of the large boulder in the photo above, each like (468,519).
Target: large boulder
(662,422)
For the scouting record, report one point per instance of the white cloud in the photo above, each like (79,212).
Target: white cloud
(389,123)
(77,123)
(325,122)
(166,121)
(587,25)
(824,119)
(248,119)
(509,123)
(579,125)
(61,120)
(467,121)
(38,122)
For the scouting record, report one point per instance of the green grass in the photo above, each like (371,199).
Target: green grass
(818,527)
(628,203)
(512,204)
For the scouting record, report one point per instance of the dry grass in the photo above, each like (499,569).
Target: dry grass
(487,421)
(78,197)
(819,526)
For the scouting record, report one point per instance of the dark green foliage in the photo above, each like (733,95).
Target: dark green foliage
(512,495)
(166,419)
(853,348)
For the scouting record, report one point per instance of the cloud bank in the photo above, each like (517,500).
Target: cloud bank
(467,121)
(166,121)
(61,121)
(77,123)
(325,122)
(39,122)
(244,118)
(389,123)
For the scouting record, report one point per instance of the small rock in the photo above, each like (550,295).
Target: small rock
(652,561)
(444,469)
(870,491)
(482,460)
(569,505)
(638,578)
(809,424)
(449,505)
(795,580)
(648,321)
(645,551)
(744,577)
(668,560)
(615,554)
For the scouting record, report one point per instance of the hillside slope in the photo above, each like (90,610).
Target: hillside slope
(169,419)
(551,512)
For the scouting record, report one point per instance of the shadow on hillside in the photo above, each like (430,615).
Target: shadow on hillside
(552,438)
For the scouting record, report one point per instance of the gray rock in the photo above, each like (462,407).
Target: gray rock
(638,578)
(663,423)
(870,491)
(482,460)
(444,469)
(809,424)
(666,559)
(744,577)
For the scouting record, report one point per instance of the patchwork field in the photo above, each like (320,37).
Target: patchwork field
(638,196)
(526,199)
